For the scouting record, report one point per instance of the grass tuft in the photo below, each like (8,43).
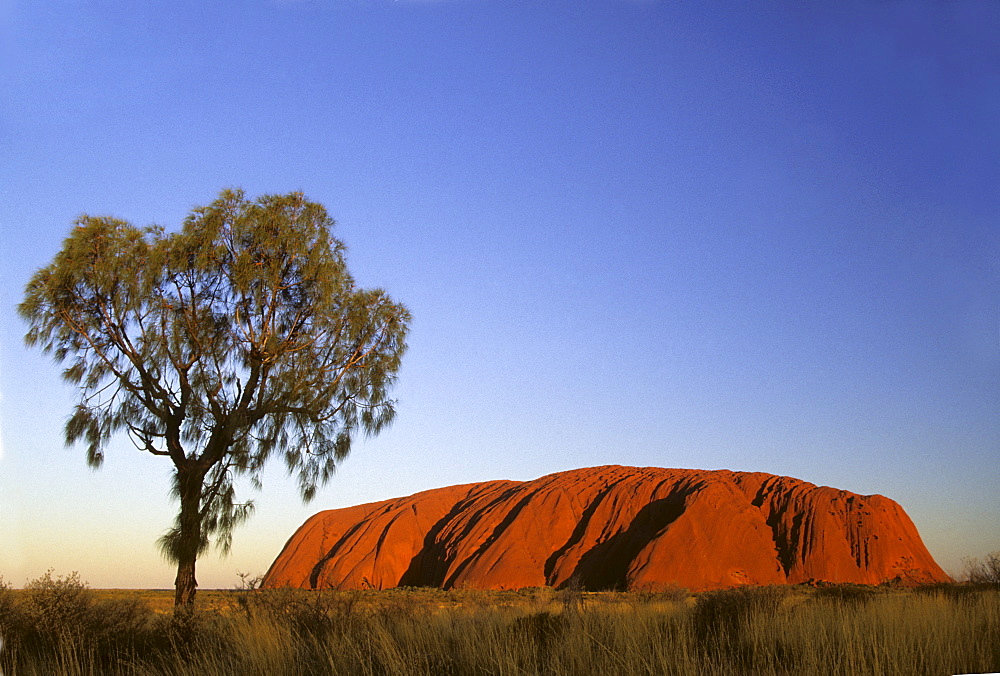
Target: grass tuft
(58,625)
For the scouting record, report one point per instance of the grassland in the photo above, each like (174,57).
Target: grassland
(57,625)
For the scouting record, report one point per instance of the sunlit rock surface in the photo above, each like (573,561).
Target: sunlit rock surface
(610,528)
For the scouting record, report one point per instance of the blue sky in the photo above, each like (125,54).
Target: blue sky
(755,236)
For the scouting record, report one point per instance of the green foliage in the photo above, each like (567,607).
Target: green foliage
(239,337)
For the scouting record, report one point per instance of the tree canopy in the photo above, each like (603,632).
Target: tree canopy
(238,337)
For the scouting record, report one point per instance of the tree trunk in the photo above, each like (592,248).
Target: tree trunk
(185,584)
(189,540)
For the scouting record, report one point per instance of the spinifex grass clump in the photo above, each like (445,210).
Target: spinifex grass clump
(730,623)
(770,631)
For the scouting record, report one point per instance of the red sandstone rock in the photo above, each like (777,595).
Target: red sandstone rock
(610,528)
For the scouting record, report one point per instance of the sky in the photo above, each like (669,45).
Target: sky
(753,236)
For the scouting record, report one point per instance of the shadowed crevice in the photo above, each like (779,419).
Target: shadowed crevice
(497,531)
(332,552)
(605,566)
(578,532)
(428,566)
(774,515)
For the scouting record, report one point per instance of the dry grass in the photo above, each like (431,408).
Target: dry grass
(162,600)
(62,627)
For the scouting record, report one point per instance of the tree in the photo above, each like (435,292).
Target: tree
(239,337)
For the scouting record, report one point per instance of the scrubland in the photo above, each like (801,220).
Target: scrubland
(57,625)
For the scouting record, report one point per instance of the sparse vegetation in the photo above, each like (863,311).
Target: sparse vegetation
(58,625)
(983,572)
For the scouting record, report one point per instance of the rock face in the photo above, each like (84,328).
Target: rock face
(610,528)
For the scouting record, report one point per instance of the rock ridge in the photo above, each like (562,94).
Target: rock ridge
(610,527)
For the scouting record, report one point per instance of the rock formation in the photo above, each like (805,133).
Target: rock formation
(610,528)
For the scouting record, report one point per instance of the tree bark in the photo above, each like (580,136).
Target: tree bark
(185,584)
(189,541)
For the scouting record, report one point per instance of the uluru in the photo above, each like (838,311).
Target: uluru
(610,527)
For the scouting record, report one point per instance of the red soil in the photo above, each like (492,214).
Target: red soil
(610,528)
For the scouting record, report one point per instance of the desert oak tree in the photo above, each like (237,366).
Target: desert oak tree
(239,337)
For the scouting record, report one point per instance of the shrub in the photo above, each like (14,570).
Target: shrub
(986,571)
(306,612)
(723,623)
(541,630)
(60,616)
(845,593)
(955,591)
(57,608)
(659,594)
(11,618)
(728,609)
(118,622)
